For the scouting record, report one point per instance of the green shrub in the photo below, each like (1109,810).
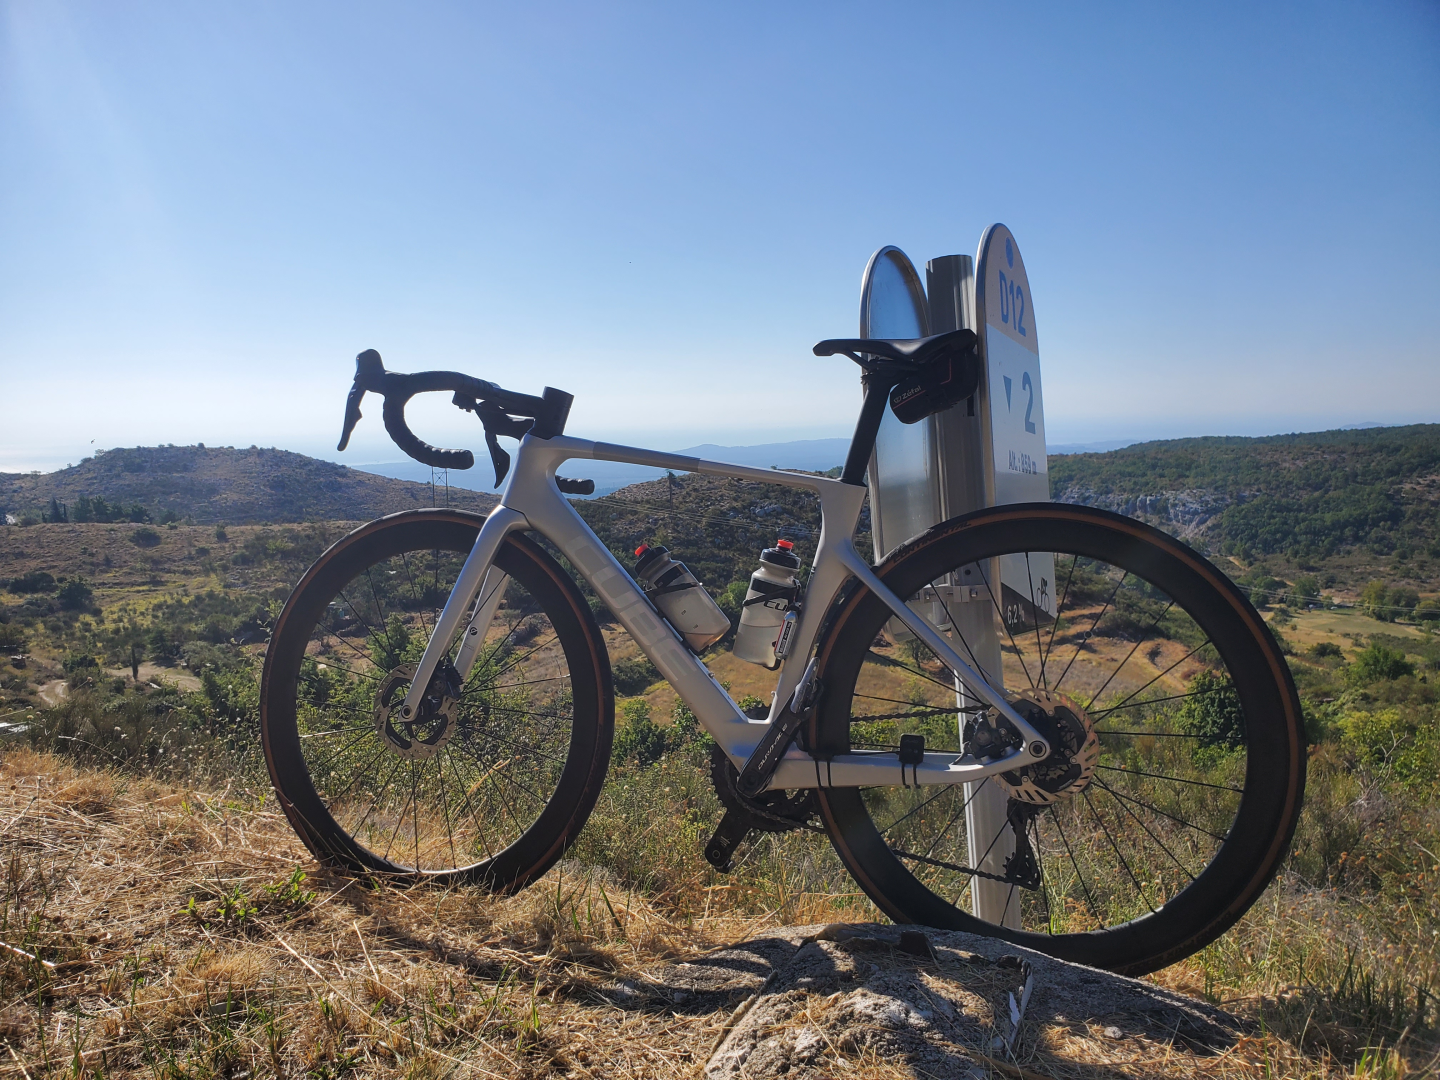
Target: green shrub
(1212,711)
(1376,663)
(145,538)
(75,595)
(633,675)
(638,740)
(79,663)
(1404,740)
(36,581)
(12,638)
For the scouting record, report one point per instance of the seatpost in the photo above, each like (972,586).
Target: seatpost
(876,390)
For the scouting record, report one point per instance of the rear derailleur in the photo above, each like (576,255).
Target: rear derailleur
(770,811)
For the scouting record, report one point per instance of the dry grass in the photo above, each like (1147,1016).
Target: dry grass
(161,931)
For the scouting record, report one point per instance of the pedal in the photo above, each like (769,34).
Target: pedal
(728,835)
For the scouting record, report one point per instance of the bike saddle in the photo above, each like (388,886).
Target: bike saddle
(914,351)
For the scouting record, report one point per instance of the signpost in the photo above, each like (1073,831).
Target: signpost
(982,452)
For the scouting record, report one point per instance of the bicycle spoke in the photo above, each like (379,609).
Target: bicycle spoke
(1160,843)
(1157,810)
(1000,615)
(1090,631)
(1085,797)
(1152,701)
(1173,779)
(1096,696)
(1089,900)
(1039,649)
(1049,650)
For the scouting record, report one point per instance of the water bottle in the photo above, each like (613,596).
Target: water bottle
(772,593)
(680,598)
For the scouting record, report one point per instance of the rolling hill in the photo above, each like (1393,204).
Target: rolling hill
(223,485)
(1370,497)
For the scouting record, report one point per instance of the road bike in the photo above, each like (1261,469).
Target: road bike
(437,703)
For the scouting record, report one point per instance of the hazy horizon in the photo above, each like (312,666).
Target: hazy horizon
(397,465)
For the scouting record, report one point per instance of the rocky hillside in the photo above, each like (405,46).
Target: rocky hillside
(217,485)
(1311,495)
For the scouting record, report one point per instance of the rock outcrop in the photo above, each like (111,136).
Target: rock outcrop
(928,1002)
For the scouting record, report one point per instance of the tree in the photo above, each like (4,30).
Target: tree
(58,512)
(75,594)
(1402,600)
(1305,590)
(1374,601)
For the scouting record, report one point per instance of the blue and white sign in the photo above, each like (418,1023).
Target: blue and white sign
(1016,415)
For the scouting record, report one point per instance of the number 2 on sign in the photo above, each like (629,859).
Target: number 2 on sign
(1012,301)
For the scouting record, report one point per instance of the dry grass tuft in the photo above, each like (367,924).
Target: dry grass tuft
(92,793)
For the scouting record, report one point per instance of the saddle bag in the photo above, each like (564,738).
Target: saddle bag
(949,378)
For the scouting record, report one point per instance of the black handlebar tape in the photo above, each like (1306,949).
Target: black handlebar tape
(550,411)
(416,447)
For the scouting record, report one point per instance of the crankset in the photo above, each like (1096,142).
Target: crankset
(770,811)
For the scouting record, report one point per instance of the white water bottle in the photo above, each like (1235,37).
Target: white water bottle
(680,598)
(773,591)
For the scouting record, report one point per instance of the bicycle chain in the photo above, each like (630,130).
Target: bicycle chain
(1004,879)
(724,775)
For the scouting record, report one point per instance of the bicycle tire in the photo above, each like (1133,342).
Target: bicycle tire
(494,794)
(876,831)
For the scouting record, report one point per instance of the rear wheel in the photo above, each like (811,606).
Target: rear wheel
(493,783)
(1178,763)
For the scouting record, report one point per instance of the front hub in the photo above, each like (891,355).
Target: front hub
(422,736)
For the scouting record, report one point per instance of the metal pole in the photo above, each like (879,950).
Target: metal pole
(965,473)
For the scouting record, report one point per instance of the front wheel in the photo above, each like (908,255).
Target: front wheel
(492,783)
(1178,754)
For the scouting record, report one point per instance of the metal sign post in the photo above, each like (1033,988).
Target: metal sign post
(981,452)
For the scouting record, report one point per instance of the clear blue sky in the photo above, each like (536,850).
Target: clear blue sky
(1228,212)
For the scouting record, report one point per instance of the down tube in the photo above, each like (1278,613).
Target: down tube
(717,713)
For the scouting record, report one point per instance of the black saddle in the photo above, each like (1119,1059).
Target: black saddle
(917,352)
(921,375)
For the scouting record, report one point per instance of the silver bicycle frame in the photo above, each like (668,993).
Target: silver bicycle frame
(531,501)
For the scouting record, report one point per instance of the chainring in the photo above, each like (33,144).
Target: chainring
(1074,749)
(770,811)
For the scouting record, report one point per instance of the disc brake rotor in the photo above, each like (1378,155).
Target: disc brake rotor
(1074,749)
(423,736)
